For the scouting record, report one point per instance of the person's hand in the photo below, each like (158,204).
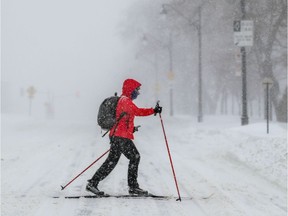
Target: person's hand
(157,109)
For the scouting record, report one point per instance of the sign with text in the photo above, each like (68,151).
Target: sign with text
(243,33)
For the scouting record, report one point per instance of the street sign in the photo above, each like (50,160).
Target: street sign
(243,33)
(31,91)
(267,82)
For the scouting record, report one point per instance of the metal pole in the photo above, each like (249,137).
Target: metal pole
(267,106)
(200,114)
(270,107)
(244,117)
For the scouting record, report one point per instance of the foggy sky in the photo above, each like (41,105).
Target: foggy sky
(62,44)
(62,47)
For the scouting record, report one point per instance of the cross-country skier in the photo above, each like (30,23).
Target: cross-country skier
(121,137)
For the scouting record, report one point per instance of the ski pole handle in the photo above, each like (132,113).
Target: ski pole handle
(157,105)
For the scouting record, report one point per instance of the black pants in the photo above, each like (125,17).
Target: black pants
(120,146)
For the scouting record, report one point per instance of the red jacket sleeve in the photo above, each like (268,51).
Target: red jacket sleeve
(141,111)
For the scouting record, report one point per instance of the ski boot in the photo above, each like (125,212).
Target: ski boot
(93,187)
(137,191)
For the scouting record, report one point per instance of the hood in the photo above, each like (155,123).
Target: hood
(129,85)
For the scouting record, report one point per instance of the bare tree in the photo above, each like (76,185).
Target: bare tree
(270,49)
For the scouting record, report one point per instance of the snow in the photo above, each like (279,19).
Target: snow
(242,167)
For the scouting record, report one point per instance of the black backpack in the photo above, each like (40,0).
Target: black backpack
(107,113)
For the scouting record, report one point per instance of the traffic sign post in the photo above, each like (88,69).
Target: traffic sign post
(268,82)
(31,92)
(243,37)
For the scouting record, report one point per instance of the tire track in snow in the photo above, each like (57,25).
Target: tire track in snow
(203,187)
(173,207)
(70,164)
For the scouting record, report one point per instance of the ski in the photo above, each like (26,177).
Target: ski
(131,196)
(127,196)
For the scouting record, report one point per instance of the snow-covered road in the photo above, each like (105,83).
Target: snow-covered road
(243,168)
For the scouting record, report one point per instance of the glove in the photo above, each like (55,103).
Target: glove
(157,109)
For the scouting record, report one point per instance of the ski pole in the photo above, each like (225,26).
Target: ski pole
(170,158)
(63,187)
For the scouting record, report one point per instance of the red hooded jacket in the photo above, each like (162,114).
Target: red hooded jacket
(125,126)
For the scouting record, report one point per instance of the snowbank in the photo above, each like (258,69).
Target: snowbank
(265,153)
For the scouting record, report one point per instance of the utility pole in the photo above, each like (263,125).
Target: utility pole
(244,117)
(200,113)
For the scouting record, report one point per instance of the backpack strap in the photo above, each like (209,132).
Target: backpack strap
(117,122)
